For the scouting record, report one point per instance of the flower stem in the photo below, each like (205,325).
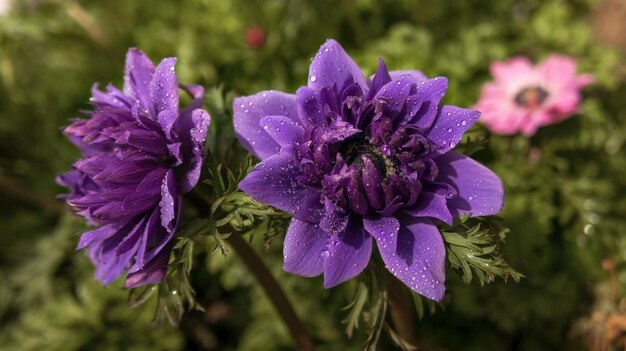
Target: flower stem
(402,310)
(272,290)
(18,191)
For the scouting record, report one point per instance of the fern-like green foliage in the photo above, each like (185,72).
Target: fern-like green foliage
(473,246)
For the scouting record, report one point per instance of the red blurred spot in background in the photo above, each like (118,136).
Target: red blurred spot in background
(255,37)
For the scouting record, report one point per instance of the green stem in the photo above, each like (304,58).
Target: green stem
(18,191)
(273,291)
(402,310)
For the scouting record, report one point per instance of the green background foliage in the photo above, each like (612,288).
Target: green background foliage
(565,187)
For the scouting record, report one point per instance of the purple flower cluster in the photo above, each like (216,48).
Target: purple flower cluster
(355,160)
(140,154)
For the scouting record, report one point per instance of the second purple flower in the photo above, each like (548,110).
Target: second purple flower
(140,154)
(356,160)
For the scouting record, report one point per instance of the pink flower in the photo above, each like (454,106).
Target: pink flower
(524,97)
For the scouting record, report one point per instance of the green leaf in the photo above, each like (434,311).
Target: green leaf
(356,309)
(473,247)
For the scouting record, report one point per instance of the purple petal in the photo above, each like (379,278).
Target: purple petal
(384,230)
(283,130)
(168,201)
(112,97)
(332,65)
(372,180)
(395,93)
(166,119)
(176,154)
(429,94)
(164,87)
(146,140)
(449,127)
(379,80)
(418,258)
(248,112)
(109,264)
(274,181)
(309,109)
(152,233)
(480,191)
(417,76)
(195,143)
(194,91)
(146,195)
(150,274)
(94,165)
(335,220)
(137,77)
(131,240)
(433,206)
(126,171)
(99,234)
(304,244)
(348,254)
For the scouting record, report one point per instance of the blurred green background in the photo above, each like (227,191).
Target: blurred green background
(566,203)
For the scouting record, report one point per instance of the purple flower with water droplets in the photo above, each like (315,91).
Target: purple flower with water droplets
(140,153)
(356,160)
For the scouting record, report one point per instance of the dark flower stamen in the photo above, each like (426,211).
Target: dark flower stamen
(356,147)
(531,97)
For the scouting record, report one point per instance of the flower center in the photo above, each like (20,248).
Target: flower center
(531,97)
(355,148)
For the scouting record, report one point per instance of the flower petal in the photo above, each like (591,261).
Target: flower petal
(348,254)
(98,234)
(248,112)
(480,191)
(418,257)
(433,206)
(164,86)
(282,130)
(384,230)
(304,244)
(274,181)
(169,201)
(449,127)
(395,93)
(332,65)
(309,109)
(513,70)
(137,77)
(417,76)
(194,143)
(167,119)
(152,273)
(146,194)
(380,79)
(428,94)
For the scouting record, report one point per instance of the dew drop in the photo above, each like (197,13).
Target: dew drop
(313,78)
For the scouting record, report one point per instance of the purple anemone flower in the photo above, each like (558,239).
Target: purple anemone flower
(353,159)
(140,154)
